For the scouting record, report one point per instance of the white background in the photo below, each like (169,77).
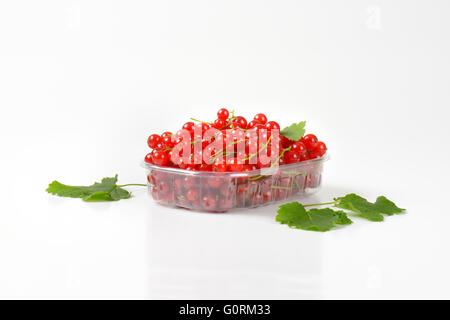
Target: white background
(83,83)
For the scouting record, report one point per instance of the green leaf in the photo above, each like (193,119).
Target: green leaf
(386,206)
(295,131)
(366,209)
(98,196)
(359,205)
(342,218)
(106,190)
(295,215)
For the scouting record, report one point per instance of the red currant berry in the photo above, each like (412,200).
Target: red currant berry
(261,118)
(271,125)
(282,161)
(153,140)
(214,182)
(292,156)
(160,146)
(189,126)
(235,165)
(202,126)
(319,148)
(252,124)
(219,124)
(204,167)
(298,147)
(148,158)
(285,142)
(166,134)
(239,122)
(167,141)
(209,202)
(309,140)
(160,158)
(223,114)
(192,195)
(220,167)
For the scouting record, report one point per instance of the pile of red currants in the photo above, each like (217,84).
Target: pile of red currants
(231,159)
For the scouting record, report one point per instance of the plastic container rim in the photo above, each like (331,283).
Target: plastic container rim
(266,171)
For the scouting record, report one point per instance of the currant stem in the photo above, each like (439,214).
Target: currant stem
(132,184)
(193,119)
(319,204)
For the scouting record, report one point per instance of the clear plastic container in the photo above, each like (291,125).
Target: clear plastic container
(222,191)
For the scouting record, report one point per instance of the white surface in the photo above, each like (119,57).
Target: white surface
(83,83)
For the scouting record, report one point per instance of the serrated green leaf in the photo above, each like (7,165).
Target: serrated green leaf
(322,219)
(386,206)
(98,196)
(295,131)
(106,190)
(295,215)
(119,193)
(366,209)
(342,218)
(360,205)
(292,212)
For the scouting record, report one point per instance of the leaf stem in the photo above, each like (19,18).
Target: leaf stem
(319,204)
(132,184)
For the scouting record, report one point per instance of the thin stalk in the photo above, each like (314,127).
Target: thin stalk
(132,184)
(319,204)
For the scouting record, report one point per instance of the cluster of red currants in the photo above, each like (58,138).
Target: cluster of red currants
(238,130)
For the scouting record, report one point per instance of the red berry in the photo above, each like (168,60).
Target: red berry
(202,127)
(298,147)
(219,124)
(282,161)
(204,167)
(235,165)
(223,114)
(271,125)
(319,148)
(189,126)
(240,122)
(252,124)
(309,140)
(166,134)
(214,182)
(285,142)
(209,202)
(261,118)
(153,140)
(160,158)
(219,167)
(292,156)
(160,146)
(148,158)
(167,141)
(192,195)
(189,182)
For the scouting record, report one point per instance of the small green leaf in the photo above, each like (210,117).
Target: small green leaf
(119,193)
(322,219)
(386,206)
(106,190)
(295,131)
(98,196)
(295,215)
(342,218)
(292,212)
(359,205)
(366,209)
